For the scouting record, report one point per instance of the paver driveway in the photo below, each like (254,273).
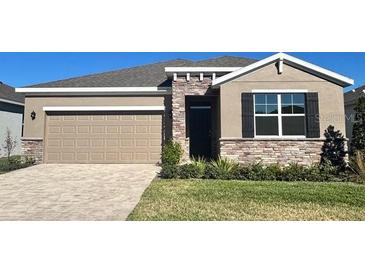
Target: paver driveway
(73,192)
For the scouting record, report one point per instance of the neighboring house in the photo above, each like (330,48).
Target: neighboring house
(11,116)
(350,99)
(272,110)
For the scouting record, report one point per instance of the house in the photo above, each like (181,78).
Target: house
(271,110)
(350,100)
(11,116)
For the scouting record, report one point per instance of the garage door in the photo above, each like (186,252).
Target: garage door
(103,137)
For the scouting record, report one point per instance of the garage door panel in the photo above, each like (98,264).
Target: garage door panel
(103,138)
(95,143)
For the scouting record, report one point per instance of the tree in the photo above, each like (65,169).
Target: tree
(358,130)
(9,143)
(333,149)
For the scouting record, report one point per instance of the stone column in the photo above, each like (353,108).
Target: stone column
(33,148)
(180,89)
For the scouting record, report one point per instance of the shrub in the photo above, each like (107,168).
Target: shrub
(169,171)
(358,130)
(333,149)
(254,172)
(357,165)
(9,144)
(272,172)
(293,172)
(171,153)
(188,171)
(200,163)
(313,173)
(222,168)
(257,172)
(15,162)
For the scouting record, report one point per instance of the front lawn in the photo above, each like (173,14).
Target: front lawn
(198,200)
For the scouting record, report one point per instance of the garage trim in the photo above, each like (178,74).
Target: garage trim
(104,108)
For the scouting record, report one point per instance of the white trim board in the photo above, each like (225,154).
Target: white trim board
(103,108)
(290,60)
(93,89)
(279,91)
(200,69)
(11,102)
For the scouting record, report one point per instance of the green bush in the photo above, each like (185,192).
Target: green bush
(314,174)
(169,171)
(222,168)
(333,149)
(225,169)
(357,166)
(15,162)
(258,172)
(358,129)
(293,172)
(328,171)
(272,172)
(200,163)
(188,171)
(171,153)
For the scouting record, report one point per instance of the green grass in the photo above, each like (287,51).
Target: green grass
(198,200)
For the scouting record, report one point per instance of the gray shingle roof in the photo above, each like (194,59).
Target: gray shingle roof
(351,97)
(8,93)
(225,61)
(150,75)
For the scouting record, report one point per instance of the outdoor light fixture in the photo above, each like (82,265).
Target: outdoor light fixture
(32,115)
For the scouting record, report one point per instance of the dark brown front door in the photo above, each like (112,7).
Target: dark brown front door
(200,128)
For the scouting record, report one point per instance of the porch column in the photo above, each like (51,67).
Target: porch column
(181,87)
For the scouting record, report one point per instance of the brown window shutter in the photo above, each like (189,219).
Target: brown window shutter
(247,115)
(312,114)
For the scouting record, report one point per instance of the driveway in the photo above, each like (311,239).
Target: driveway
(73,192)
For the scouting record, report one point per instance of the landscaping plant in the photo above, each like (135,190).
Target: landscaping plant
(333,149)
(188,171)
(357,163)
(221,168)
(14,163)
(169,171)
(200,163)
(9,144)
(171,153)
(358,130)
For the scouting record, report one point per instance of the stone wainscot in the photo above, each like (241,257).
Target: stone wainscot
(272,151)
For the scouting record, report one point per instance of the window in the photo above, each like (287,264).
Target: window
(280,114)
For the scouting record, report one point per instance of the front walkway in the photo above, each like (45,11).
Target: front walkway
(73,191)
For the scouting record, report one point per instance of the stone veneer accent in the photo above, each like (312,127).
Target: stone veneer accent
(181,88)
(33,147)
(272,151)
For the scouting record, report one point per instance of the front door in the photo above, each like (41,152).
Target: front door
(200,127)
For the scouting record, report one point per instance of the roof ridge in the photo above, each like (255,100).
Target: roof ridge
(225,56)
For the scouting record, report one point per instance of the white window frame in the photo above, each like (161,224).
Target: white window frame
(279,114)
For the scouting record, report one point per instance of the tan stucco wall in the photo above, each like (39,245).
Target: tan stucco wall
(331,106)
(35,128)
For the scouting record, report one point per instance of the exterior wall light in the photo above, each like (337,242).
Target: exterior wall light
(33,115)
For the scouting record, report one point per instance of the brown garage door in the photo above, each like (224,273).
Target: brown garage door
(103,137)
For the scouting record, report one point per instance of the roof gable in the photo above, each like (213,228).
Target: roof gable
(8,95)
(282,58)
